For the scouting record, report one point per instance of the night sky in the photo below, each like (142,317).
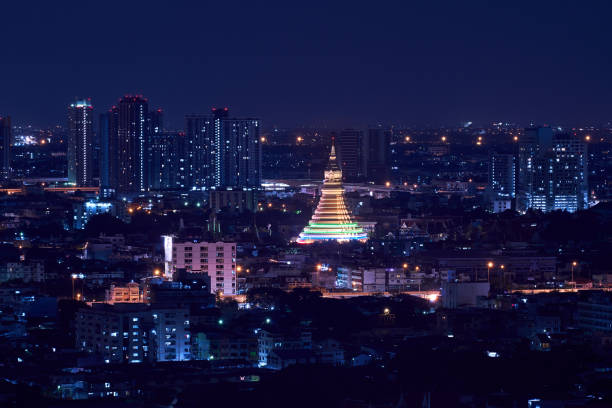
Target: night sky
(347,64)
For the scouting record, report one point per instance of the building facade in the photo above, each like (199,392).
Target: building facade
(222,151)
(129,145)
(133,333)
(350,145)
(80,143)
(215,259)
(553,171)
(501,189)
(377,155)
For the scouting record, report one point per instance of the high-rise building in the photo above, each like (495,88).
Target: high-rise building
(200,150)
(223,151)
(332,221)
(104,158)
(552,171)
(238,162)
(80,143)
(169,161)
(377,154)
(155,126)
(131,150)
(351,154)
(6,136)
(501,189)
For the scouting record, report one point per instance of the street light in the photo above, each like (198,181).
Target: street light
(405,266)
(489,266)
(574,264)
(156,272)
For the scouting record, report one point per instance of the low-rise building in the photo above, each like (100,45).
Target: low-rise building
(215,259)
(134,333)
(267,341)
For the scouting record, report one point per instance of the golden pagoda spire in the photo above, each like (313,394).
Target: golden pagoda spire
(332,221)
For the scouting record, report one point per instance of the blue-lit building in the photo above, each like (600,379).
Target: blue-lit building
(84,211)
(553,171)
(80,143)
(501,189)
(222,151)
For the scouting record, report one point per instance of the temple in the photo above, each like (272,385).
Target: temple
(332,221)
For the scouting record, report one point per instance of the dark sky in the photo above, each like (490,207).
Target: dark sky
(331,63)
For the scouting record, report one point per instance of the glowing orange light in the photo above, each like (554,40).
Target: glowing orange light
(444,138)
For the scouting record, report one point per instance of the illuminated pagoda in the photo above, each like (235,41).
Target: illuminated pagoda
(332,221)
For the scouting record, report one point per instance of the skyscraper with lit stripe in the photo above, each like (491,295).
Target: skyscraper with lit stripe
(332,221)
(80,143)
(132,147)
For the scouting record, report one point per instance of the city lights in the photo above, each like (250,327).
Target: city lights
(332,220)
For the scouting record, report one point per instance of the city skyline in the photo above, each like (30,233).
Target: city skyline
(325,204)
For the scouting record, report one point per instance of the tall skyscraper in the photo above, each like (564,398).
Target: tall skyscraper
(6,136)
(501,188)
(377,152)
(169,157)
(223,151)
(80,143)
(351,154)
(552,171)
(238,161)
(132,145)
(103,152)
(200,157)
(155,127)
(109,150)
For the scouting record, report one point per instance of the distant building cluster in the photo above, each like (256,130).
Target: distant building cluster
(132,152)
(548,172)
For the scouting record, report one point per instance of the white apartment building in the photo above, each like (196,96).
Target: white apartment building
(217,259)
